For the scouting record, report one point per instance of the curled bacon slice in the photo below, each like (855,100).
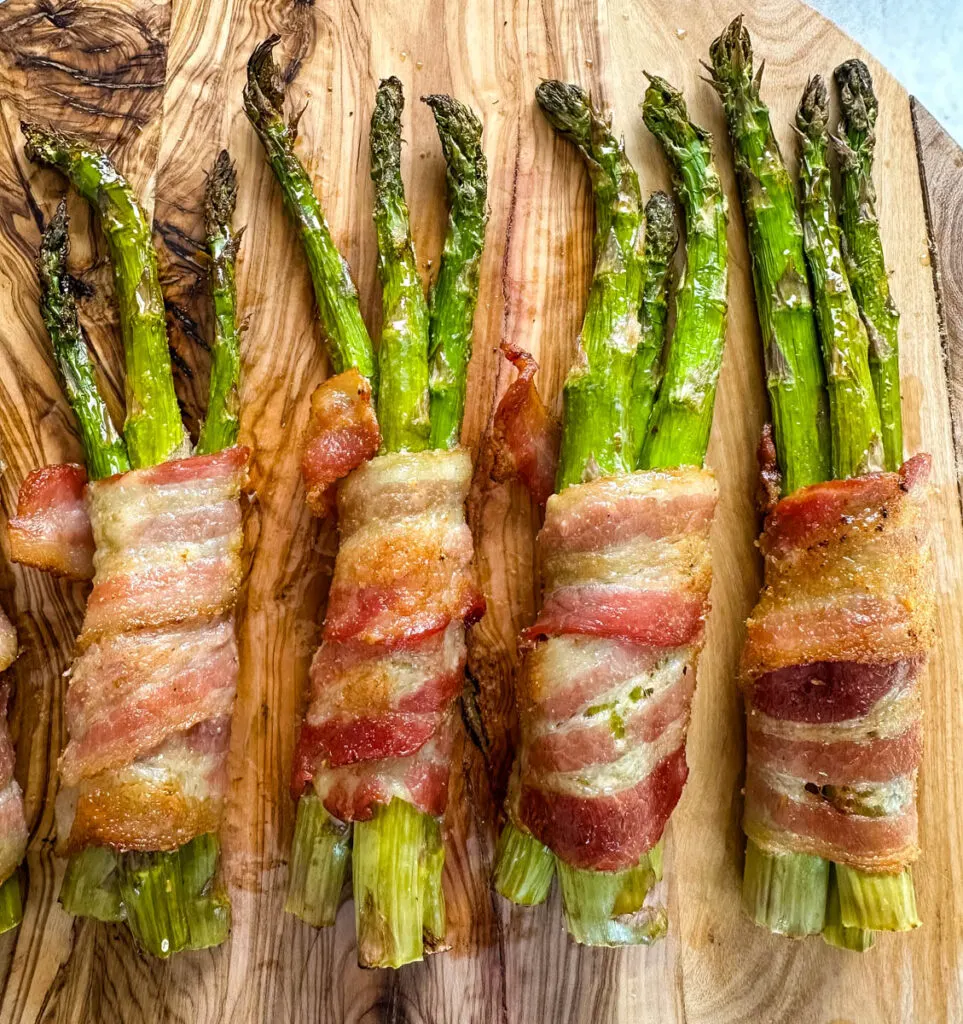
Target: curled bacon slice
(832,662)
(152,690)
(343,434)
(607,680)
(524,434)
(392,659)
(51,529)
(13,823)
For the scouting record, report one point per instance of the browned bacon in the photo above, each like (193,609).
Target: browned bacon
(343,434)
(832,662)
(13,823)
(392,657)
(51,529)
(524,435)
(152,690)
(607,680)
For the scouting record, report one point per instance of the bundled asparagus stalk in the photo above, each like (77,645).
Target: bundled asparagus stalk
(591,799)
(153,685)
(371,772)
(830,811)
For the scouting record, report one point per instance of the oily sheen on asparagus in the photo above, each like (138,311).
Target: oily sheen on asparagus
(839,637)
(608,668)
(374,751)
(143,777)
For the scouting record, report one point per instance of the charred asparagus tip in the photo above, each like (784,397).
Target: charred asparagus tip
(661,228)
(264,91)
(567,108)
(812,115)
(460,132)
(385,139)
(856,96)
(731,55)
(54,245)
(221,195)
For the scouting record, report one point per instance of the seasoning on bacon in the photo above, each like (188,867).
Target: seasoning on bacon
(379,723)
(607,682)
(152,690)
(13,823)
(524,434)
(343,434)
(832,664)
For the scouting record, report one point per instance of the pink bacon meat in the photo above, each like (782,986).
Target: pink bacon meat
(832,663)
(13,823)
(380,722)
(152,689)
(607,680)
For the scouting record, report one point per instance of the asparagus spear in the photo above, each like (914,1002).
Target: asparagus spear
(661,238)
(853,413)
(403,354)
(863,247)
(596,427)
(222,421)
(153,431)
(454,294)
(681,421)
(334,291)
(794,373)
(169,898)
(104,449)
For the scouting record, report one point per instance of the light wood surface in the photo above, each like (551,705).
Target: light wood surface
(159,82)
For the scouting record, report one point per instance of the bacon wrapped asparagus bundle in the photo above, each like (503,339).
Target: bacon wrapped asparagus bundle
(13,823)
(374,751)
(608,668)
(837,641)
(158,530)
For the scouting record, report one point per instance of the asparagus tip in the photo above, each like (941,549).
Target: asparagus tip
(857,99)
(220,197)
(568,109)
(55,241)
(731,56)
(264,91)
(665,114)
(812,115)
(43,143)
(460,132)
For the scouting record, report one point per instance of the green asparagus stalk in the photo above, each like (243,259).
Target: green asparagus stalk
(153,430)
(835,933)
(11,903)
(454,294)
(678,434)
(785,892)
(879,902)
(348,342)
(853,412)
(596,435)
(104,449)
(661,238)
(91,885)
(863,247)
(403,354)
(320,855)
(222,421)
(794,372)
(524,867)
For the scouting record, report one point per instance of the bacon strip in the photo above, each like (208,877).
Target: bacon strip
(609,670)
(832,663)
(152,690)
(13,822)
(379,723)
(51,530)
(343,434)
(524,434)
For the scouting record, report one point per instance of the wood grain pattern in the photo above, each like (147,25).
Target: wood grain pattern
(160,82)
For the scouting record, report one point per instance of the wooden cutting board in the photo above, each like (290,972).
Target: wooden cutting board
(159,83)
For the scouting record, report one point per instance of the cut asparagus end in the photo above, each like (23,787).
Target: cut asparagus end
(388,867)
(884,903)
(91,885)
(434,919)
(173,899)
(524,868)
(319,863)
(785,892)
(11,903)
(607,908)
(222,421)
(835,933)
